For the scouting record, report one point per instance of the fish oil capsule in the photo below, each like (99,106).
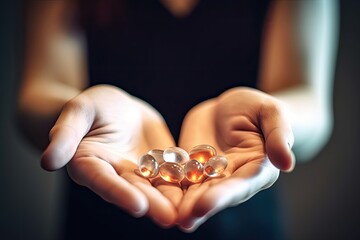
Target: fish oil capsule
(171,172)
(194,171)
(148,166)
(202,153)
(176,155)
(215,166)
(158,155)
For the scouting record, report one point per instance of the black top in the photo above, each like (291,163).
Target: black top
(173,64)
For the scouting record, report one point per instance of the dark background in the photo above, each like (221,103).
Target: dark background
(322,197)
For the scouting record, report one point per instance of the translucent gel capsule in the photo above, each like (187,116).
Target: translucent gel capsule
(171,172)
(194,171)
(148,166)
(215,166)
(176,155)
(158,155)
(202,153)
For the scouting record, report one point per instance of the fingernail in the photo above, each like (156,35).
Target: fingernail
(138,211)
(161,224)
(188,228)
(292,166)
(191,226)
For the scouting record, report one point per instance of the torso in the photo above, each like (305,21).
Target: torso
(174,63)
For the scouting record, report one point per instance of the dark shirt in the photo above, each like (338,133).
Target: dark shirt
(173,64)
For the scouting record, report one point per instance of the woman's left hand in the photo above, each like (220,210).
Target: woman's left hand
(251,130)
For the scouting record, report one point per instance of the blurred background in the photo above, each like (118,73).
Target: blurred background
(322,197)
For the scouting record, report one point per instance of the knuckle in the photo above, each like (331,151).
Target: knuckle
(77,105)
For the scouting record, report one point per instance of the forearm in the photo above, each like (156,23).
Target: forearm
(39,105)
(54,67)
(311,119)
(298,68)
(310,105)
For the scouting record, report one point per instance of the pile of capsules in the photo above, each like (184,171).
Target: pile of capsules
(174,164)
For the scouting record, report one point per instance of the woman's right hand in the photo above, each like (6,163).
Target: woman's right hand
(99,135)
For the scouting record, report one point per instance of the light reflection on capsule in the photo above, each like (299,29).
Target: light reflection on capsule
(148,166)
(171,172)
(215,166)
(194,171)
(202,153)
(176,155)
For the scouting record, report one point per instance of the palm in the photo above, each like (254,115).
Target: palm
(117,129)
(104,131)
(230,124)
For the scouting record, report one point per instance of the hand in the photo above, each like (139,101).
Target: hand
(249,128)
(99,135)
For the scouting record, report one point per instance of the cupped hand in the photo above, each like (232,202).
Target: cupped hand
(251,129)
(100,134)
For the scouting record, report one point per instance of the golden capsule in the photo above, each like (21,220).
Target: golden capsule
(215,166)
(194,171)
(202,153)
(148,166)
(176,155)
(171,172)
(158,155)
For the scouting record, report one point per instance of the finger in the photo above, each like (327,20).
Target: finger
(242,185)
(197,222)
(186,218)
(171,191)
(278,135)
(161,210)
(72,125)
(101,178)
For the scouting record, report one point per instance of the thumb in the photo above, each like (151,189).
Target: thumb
(279,137)
(72,125)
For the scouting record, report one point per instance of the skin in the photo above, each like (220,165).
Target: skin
(103,142)
(99,143)
(253,134)
(100,148)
